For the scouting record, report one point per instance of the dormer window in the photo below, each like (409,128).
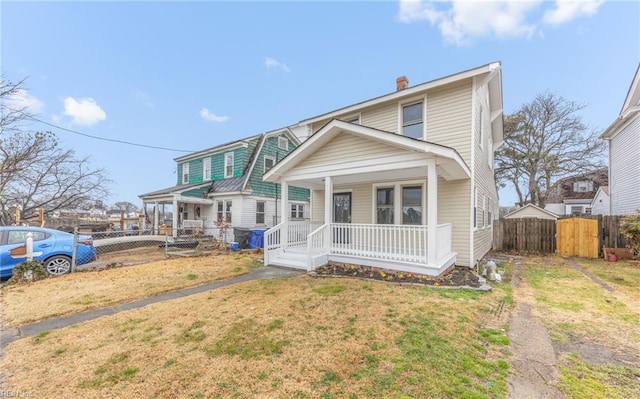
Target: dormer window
(283,143)
(228,165)
(412,120)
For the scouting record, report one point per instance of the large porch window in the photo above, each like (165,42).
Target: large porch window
(412,205)
(400,203)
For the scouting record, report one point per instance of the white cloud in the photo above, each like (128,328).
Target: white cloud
(84,111)
(568,10)
(272,63)
(21,100)
(144,98)
(461,21)
(211,117)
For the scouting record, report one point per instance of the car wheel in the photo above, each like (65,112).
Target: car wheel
(57,265)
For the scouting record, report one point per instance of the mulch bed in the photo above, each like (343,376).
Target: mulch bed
(458,276)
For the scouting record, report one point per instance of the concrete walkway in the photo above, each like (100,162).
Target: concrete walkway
(28,330)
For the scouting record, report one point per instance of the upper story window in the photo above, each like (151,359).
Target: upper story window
(268,163)
(412,120)
(206,169)
(228,165)
(185,173)
(583,186)
(283,143)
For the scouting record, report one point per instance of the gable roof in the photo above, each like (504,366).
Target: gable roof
(630,108)
(493,67)
(222,147)
(451,164)
(528,207)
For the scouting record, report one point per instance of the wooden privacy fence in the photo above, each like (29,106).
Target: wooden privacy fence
(583,236)
(524,235)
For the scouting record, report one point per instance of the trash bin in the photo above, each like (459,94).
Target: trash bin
(241,236)
(257,238)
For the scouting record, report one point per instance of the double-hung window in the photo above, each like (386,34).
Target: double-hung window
(228,165)
(268,163)
(185,173)
(384,205)
(206,169)
(297,211)
(224,210)
(260,212)
(412,120)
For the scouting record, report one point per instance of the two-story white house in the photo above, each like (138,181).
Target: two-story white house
(403,181)
(624,150)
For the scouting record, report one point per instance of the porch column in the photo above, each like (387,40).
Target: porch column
(284,232)
(328,209)
(432,212)
(156,218)
(174,221)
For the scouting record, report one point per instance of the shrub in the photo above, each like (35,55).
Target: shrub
(31,270)
(631,230)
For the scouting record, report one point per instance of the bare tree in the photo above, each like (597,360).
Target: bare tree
(543,142)
(35,172)
(126,206)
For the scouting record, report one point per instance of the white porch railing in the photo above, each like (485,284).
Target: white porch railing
(405,243)
(397,243)
(316,247)
(192,224)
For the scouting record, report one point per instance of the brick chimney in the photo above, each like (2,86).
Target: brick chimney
(402,83)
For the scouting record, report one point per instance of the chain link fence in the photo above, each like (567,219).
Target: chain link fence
(129,247)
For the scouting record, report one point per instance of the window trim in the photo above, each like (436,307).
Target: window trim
(299,210)
(227,156)
(264,163)
(397,199)
(263,213)
(282,139)
(475,208)
(206,169)
(185,173)
(408,102)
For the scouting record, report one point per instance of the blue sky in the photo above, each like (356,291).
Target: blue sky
(193,75)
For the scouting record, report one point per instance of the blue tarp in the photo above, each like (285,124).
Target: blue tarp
(256,239)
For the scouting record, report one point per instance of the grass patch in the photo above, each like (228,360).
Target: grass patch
(583,380)
(461,294)
(498,337)
(329,289)
(193,333)
(191,276)
(248,340)
(40,337)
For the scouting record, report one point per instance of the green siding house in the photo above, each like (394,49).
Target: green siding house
(225,182)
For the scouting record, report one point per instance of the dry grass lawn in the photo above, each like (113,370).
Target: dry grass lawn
(301,337)
(73,293)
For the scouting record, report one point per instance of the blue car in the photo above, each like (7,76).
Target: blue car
(55,248)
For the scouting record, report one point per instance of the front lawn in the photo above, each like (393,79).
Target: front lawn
(300,337)
(73,293)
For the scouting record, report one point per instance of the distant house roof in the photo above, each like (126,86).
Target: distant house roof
(531,211)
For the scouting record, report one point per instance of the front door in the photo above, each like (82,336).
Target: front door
(341,214)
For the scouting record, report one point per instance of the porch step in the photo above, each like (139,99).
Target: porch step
(290,259)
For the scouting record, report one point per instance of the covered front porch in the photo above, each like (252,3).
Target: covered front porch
(375,202)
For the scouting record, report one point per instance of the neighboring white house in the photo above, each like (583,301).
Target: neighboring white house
(531,211)
(624,153)
(601,204)
(403,181)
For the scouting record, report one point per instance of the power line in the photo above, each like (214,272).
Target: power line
(97,137)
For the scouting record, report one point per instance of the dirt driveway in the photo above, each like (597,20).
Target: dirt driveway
(549,328)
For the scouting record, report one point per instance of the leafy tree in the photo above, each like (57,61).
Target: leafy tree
(544,142)
(35,172)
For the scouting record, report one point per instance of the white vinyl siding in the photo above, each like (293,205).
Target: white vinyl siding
(449,117)
(345,149)
(624,169)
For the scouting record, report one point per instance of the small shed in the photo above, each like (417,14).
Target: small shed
(531,211)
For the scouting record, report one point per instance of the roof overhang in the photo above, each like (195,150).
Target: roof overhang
(630,108)
(223,147)
(412,91)
(449,163)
